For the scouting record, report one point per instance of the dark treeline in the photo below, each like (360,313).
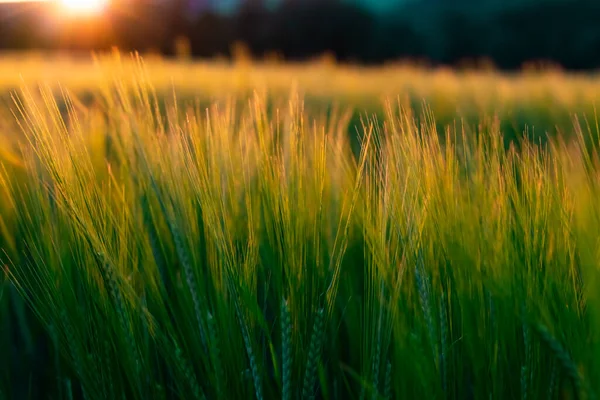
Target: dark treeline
(563,32)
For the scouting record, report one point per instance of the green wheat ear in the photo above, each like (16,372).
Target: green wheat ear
(564,358)
(525,375)
(444,342)
(256,379)
(68,389)
(424,291)
(554,384)
(314,354)
(74,349)
(216,354)
(188,374)
(286,351)
(387,387)
(524,383)
(154,240)
(375,367)
(110,278)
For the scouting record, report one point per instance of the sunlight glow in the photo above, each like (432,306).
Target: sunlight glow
(83,7)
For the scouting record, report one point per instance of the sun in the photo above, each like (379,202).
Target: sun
(83,7)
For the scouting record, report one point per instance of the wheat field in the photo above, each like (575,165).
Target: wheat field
(179,230)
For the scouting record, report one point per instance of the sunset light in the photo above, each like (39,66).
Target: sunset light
(83,7)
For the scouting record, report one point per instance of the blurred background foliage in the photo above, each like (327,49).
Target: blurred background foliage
(458,32)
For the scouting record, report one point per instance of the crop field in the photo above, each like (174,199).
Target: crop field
(181,230)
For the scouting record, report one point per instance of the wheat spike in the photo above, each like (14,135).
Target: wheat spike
(286,351)
(314,353)
(188,374)
(387,387)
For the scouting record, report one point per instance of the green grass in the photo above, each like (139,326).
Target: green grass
(266,247)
